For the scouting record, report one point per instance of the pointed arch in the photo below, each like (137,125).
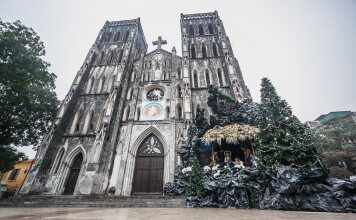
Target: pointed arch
(100,119)
(195,79)
(192,51)
(203,51)
(109,61)
(111,82)
(201,29)
(72,154)
(210,28)
(119,57)
(179,111)
(126,37)
(88,124)
(215,50)
(125,116)
(101,58)
(117,36)
(220,77)
(179,73)
(58,161)
(146,133)
(108,37)
(90,85)
(101,84)
(138,113)
(129,94)
(76,122)
(191,30)
(179,91)
(207,77)
(197,109)
(167,112)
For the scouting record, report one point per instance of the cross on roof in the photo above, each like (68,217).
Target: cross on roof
(159,42)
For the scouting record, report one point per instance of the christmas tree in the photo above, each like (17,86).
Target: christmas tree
(195,187)
(283,139)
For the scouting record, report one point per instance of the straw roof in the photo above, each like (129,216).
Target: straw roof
(232,134)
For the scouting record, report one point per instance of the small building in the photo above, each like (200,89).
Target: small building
(15,177)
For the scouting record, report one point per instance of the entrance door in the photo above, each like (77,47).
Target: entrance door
(148,176)
(73,174)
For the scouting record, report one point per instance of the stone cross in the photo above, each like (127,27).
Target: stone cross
(159,42)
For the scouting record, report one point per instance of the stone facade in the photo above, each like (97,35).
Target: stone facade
(122,95)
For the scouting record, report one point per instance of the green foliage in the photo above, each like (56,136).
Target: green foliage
(195,187)
(9,156)
(28,102)
(336,134)
(282,139)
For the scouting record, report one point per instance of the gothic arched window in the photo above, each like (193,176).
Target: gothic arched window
(117,36)
(195,79)
(150,147)
(126,37)
(167,112)
(101,84)
(192,51)
(203,51)
(120,56)
(215,50)
(210,27)
(179,73)
(88,125)
(125,116)
(179,91)
(129,94)
(59,160)
(138,112)
(76,122)
(220,77)
(111,82)
(110,58)
(191,30)
(201,30)
(108,37)
(179,111)
(101,58)
(90,84)
(207,77)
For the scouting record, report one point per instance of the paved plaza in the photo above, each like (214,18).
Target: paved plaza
(164,214)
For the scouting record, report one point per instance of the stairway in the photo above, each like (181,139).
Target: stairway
(82,201)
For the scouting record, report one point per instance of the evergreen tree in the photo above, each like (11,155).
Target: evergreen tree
(282,139)
(195,187)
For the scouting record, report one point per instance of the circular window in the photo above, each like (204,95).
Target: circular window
(155,95)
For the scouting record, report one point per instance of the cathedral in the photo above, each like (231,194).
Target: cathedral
(126,114)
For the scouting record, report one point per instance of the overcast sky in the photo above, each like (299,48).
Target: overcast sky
(306,47)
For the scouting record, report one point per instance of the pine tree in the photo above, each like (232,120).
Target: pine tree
(283,139)
(195,187)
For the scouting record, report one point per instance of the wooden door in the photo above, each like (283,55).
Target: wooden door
(73,174)
(148,176)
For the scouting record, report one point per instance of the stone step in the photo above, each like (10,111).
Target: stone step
(95,201)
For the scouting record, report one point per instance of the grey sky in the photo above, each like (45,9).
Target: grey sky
(307,48)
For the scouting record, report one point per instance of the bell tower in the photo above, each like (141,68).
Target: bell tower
(208,59)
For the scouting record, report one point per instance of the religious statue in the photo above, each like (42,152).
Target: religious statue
(227,159)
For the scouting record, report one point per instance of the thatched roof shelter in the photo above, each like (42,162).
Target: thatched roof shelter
(232,134)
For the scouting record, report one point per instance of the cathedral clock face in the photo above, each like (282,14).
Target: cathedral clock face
(158,57)
(155,94)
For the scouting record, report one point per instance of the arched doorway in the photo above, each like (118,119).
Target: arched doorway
(148,175)
(73,174)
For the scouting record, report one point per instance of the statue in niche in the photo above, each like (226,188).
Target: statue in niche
(157,72)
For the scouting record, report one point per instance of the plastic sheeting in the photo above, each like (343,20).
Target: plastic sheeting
(283,188)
